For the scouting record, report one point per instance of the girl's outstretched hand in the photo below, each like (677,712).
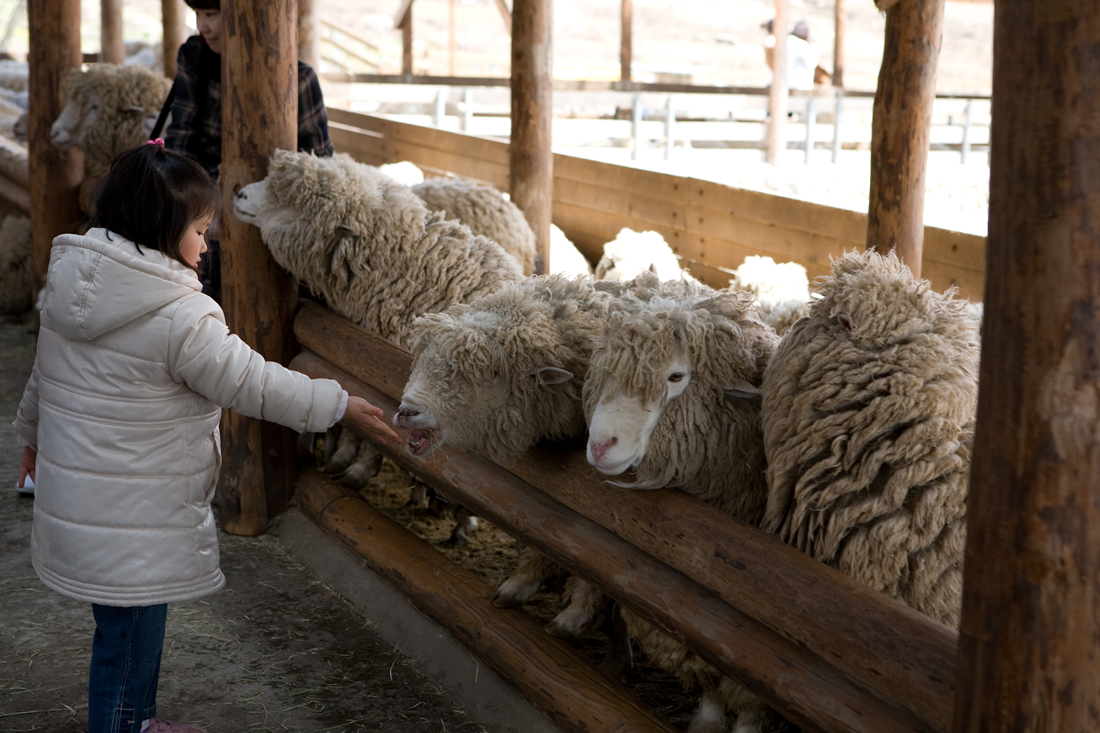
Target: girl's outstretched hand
(368,419)
(27,464)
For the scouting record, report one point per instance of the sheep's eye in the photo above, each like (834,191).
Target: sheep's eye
(676,377)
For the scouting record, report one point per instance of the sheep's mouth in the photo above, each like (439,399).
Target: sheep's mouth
(422,441)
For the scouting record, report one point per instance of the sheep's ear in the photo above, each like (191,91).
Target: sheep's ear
(345,231)
(845,321)
(552,375)
(741,390)
(134,108)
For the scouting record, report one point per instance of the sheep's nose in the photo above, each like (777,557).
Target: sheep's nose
(404,413)
(601,447)
(241,196)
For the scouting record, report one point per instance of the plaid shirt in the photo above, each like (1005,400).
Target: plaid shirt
(196,127)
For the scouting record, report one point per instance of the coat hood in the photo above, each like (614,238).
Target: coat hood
(101,281)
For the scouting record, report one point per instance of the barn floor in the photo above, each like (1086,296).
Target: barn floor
(276,650)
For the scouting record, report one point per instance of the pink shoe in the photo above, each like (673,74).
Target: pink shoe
(157,725)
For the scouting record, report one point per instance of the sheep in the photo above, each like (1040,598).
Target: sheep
(673,393)
(105,112)
(14,75)
(868,410)
(404,172)
(631,252)
(486,211)
(16,291)
(782,290)
(372,250)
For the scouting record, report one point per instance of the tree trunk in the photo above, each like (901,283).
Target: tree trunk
(900,129)
(171,17)
(259,115)
(531,159)
(54,176)
(1030,635)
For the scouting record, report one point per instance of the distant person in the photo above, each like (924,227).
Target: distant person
(196,105)
(119,422)
(802,56)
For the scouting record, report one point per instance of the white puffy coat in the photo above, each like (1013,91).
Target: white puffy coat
(133,366)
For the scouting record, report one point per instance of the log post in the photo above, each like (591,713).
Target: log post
(54,177)
(259,115)
(838,43)
(626,50)
(1030,634)
(778,96)
(404,21)
(112,50)
(309,34)
(530,157)
(171,18)
(901,127)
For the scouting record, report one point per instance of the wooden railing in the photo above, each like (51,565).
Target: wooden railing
(711,226)
(829,653)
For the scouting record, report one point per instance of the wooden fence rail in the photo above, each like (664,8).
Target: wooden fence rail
(711,227)
(829,653)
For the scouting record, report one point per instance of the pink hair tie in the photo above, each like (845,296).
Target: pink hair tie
(157,141)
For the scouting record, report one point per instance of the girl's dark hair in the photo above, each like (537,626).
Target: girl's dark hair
(151,195)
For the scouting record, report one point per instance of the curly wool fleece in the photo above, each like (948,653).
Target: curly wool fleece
(485,210)
(125,95)
(482,361)
(869,408)
(370,247)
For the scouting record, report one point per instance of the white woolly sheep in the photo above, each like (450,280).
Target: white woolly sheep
(371,249)
(868,411)
(782,290)
(631,253)
(16,293)
(486,211)
(106,110)
(565,258)
(673,393)
(14,75)
(403,172)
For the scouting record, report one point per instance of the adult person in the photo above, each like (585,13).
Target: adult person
(802,56)
(196,122)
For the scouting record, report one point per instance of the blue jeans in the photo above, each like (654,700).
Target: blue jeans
(122,685)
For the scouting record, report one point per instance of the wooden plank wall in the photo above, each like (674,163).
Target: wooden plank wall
(711,226)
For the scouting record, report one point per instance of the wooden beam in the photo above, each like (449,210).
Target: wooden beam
(626,45)
(505,15)
(1030,634)
(838,44)
(805,688)
(883,644)
(901,128)
(171,17)
(54,177)
(259,115)
(778,95)
(531,159)
(407,42)
(309,34)
(112,50)
(571,692)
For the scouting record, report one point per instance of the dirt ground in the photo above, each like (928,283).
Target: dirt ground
(275,650)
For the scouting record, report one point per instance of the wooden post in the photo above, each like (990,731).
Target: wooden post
(55,177)
(900,129)
(779,96)
(259,115)
(1030,634)
(111,48)
(171,17)
(838,43)
(309,38)
(626,52)
(404,21)
(530,156)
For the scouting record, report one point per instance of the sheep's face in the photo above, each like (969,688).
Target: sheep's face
(251,202)
(79,114)
(624,418)
(472,379)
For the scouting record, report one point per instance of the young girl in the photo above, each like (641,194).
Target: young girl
(120,419)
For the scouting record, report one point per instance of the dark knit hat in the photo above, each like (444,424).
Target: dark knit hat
(204,4)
